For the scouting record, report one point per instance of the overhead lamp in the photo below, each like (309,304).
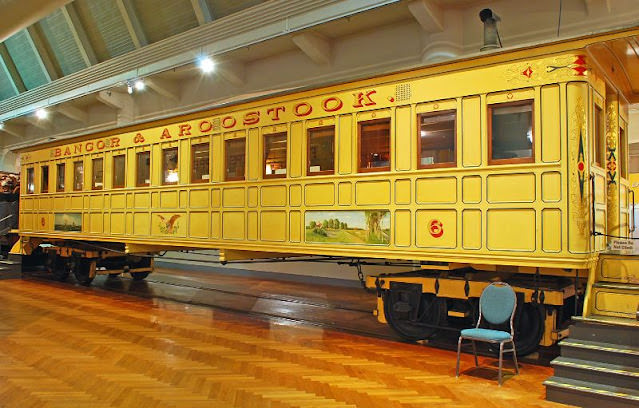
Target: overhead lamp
(206,64)
(41,113)
(139,85)
(1,125)
(129,87)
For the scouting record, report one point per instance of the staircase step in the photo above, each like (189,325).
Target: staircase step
(614,299)
(618,268)
(597,372)
(586,394)
(606,329)
(600,352)
(616,286)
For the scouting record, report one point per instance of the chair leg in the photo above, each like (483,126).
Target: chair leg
(501,358)
(475,353)
(459,342)
(515,358)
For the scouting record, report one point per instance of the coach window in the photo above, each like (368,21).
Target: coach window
(600,132)
(374,145)
(30,180)
(436,142)
(200,161)
(119,171)
(170,166)
(234,156)
(97,174)
(59,180)
(143,171)
(44,185)
(321,151)
(78,176)
(511,132)
(275,155)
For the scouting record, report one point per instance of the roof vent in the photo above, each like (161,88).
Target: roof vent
(491,35)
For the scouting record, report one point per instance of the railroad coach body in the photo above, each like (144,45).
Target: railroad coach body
(505,163)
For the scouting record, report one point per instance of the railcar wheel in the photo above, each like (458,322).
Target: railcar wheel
(139,275)
(529,328)
(82,270)
(57,266)
(410,321)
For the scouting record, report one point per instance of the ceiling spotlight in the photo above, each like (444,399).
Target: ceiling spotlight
(1,125)
(139,85)
(206,65)
(41,113)
(129,88)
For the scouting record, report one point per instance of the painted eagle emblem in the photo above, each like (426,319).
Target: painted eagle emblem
(170,226)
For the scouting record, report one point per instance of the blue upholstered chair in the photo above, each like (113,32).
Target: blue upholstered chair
(496,305)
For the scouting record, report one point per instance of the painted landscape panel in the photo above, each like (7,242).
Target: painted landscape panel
(369,227)
(68,222)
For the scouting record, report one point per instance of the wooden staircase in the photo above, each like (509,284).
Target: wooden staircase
(599,362)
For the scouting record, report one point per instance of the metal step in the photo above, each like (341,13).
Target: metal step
(606,329)
(600,352)
(614,299)
(588,395)
(597,372)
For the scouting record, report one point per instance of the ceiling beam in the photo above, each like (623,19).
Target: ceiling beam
(43,53)
(79,35)
(13,130)
(43,124)
(132,23)
(590,7)
(163,87)
(315,46)
(232,71)
(20,14)
(202,11)
(71,112)
(9,67)
(121,102)
(428,14)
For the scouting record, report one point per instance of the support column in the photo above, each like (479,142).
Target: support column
(612,152)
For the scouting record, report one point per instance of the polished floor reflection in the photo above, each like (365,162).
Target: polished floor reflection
(70,346)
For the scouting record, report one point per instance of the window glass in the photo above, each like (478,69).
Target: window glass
(321,151)
(170,166)
(235,151)
(622,153)
(59,183)
(374,145)
(143,162)
(200,162)
(97,168)
(598,140)
(44,185)
(511,132)
(275,155)
(30,181)
(78,175)
(437,139)
(119,167)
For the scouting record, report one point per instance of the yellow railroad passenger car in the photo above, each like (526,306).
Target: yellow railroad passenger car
(498,166)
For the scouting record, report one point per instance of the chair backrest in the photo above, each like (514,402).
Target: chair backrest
(497,303)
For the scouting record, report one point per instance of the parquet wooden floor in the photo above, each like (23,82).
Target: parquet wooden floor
(69,346)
